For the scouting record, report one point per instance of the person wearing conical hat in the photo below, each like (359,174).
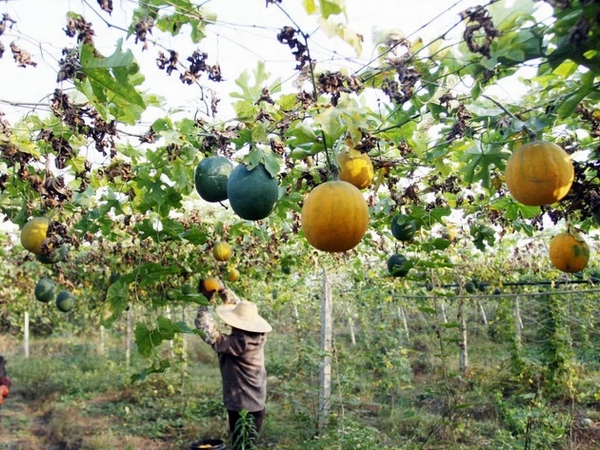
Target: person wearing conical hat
(240,353)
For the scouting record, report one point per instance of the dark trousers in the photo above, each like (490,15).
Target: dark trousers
(258,416)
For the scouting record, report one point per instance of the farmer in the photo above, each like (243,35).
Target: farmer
(240,353)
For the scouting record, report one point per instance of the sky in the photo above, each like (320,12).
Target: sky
(246,32)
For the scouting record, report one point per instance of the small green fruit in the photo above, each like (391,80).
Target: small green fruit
(398,265)
(403,227)
(55,256)
(470,287)
(211,177)
(44,290)
(252,192)
(65,301)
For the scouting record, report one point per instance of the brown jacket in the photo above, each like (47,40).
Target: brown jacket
(242,364)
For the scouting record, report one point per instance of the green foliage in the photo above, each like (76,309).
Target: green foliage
(531,418)
(110,84)
(245,432)
(348,434)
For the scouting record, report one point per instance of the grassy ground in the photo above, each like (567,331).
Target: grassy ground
(66,396)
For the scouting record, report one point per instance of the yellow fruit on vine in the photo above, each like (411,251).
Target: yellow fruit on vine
(335,216)
(222,251)
(539,173)
(569,252)
(356,168)
(233,274)
(34,233)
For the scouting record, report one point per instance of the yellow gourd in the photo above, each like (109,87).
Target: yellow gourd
(539,173)
(212,284)
(233,274)
(335,216)
(33,234)
(222,251)
(356,168)
(569,252)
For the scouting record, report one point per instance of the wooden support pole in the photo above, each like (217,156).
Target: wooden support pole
(101,347)
(483,314)
(26,333)
(443,310)
(326,344)
(402,314)
(463,357)
(517,317)
(129,337)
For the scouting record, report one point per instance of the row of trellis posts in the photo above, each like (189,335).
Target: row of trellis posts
(326,331)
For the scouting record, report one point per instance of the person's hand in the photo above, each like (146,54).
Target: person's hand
(4,391)
(229,297)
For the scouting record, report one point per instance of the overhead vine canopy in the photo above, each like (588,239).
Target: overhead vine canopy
(108,161)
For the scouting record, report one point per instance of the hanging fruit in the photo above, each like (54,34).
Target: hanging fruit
(222,251)
(569,252)
(539,173)
(356,168)
(335,216)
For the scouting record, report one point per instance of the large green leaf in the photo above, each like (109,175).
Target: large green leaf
(480,160)
(572,100)
(117,300)
(110,83)
(148,339)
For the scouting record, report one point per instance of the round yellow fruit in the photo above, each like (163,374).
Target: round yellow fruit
(539,173)
(212,284)
(356,168)
(569,252)
(233,274)
(222,251)
(335,216)
(34,233)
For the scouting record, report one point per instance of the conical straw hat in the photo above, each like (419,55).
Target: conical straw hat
(244,316)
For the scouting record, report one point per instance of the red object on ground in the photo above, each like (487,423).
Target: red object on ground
(5,381)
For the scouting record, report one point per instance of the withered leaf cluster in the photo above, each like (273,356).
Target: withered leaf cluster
(198,65)
(106,5)
(592,118)
(69,67)
(287,35)
(85,120)
(336,83)
(480,31)
(401,89)
(21,57)
(461,125)
(167,64)
(62,148)
(117,169)
(54,191)
(77,26)
(6,19)
(142,29)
